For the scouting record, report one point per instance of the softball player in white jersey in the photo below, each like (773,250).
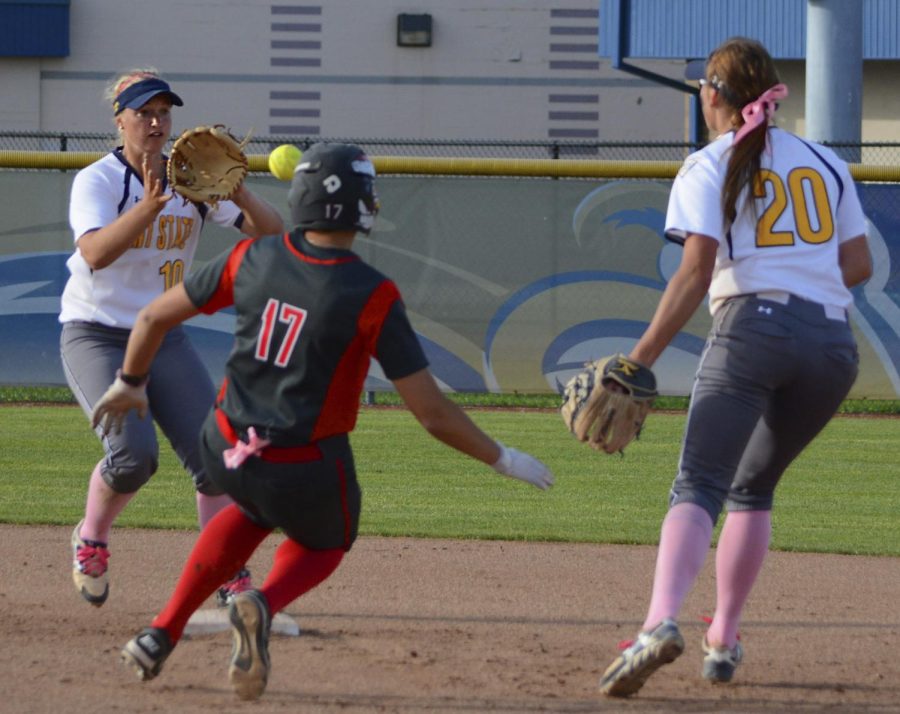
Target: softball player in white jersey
(134,240)
(772,228)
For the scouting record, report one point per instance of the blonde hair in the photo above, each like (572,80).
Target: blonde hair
(115,86)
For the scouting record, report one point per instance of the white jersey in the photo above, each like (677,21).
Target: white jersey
(158,259)
(806,205)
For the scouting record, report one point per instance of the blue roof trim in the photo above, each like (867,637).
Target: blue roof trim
(694,27)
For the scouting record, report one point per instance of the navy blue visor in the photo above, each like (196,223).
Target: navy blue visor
(138,94)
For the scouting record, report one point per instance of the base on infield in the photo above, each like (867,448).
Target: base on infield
(204,622)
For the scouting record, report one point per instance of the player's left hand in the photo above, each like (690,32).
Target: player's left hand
(605,405)
(109,413)
(517,464)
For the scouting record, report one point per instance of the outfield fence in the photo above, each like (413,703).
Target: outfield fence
(515,270)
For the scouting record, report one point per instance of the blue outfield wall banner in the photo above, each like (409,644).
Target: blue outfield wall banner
(511,284)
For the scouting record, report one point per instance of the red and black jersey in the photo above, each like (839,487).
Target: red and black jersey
(308,321)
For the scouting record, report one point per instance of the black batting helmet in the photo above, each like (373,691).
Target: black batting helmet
(333,189)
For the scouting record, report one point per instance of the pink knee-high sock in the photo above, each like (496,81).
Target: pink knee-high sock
(208,506)
(297,570)
(742,548)
(226,543)
(683,545)
(102,507)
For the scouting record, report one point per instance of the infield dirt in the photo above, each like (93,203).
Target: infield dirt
(411,625)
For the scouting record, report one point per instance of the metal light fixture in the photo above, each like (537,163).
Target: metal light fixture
(413,30)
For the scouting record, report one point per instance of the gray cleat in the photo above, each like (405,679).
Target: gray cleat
(650,651)
(720,662)
(251,622)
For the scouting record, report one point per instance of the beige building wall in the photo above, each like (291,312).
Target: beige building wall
(497,69)
(880,100)
(505,70)
(21,105)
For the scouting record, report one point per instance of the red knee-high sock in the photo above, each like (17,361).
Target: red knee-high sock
(224,545)
(297,570)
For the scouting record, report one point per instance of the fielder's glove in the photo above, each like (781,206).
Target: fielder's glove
(110,412)
(606,404)
(517,464)
(207,164)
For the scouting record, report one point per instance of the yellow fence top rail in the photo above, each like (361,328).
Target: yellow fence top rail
(442,166)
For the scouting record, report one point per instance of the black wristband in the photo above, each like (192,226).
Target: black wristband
(132,380)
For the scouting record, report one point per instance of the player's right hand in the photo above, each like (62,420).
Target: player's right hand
(517,464)
(109,413)
(154,194)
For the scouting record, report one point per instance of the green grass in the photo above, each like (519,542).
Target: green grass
(61,395)
(841,495)
(17,394)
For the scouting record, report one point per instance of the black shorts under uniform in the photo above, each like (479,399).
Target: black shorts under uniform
(314,500)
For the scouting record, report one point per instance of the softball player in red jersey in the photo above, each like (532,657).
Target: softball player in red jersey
(772,228)
(132,242)
(310,316)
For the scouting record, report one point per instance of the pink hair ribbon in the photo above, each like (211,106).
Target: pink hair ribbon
(234,457)
(760,110)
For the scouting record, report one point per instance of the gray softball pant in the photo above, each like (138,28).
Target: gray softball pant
(773,372)
(179,391)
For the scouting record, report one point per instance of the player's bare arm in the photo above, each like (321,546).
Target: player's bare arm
(153,322)
(446,422)
(165,312)
(443,419)
(855,261)
(680,300)
(102,247)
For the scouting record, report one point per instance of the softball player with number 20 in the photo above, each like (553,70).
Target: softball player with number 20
(773,229)
(133,241)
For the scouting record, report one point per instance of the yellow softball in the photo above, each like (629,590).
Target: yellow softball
(283,160)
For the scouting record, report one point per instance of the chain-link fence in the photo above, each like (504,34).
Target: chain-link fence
(880,153)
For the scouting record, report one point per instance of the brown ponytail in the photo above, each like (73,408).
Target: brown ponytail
(744,70)
(743,166)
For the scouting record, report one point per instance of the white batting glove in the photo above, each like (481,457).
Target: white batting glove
(117,401)
(518,464)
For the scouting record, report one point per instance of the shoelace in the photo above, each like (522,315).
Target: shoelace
(731,655)
(92,560)
(238,585)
